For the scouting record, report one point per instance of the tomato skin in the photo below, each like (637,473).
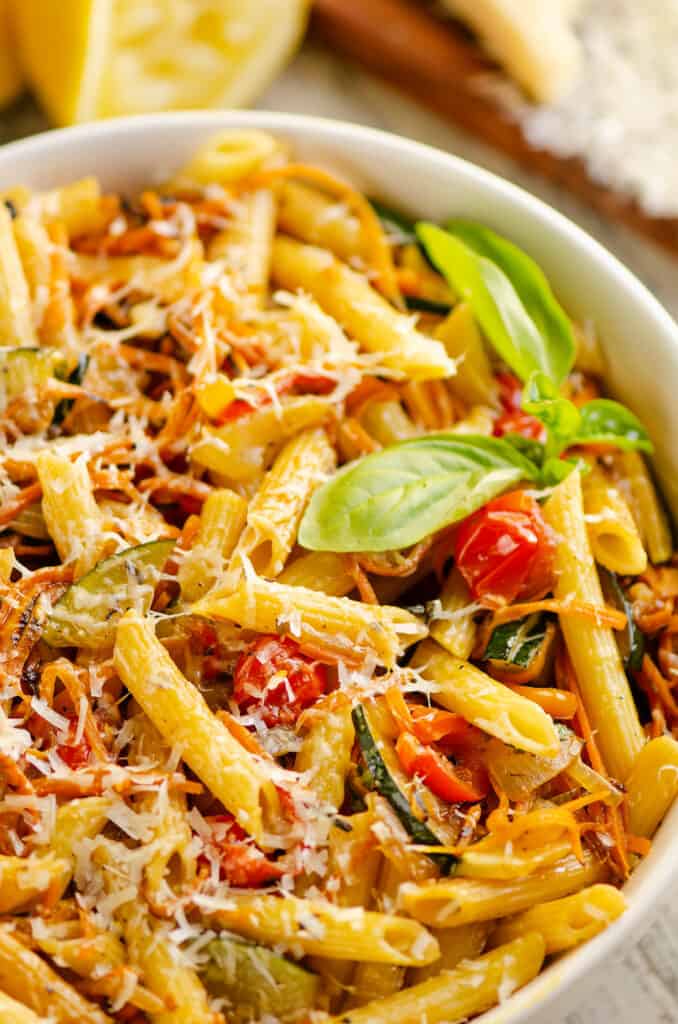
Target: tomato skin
(444,728)
(505,550)
(75,755)
(301,680)
(510,391)
(520,423)
(242,863)
(449,782)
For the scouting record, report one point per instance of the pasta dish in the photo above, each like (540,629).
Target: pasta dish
(337,608)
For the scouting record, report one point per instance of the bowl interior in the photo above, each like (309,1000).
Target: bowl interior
(639,339)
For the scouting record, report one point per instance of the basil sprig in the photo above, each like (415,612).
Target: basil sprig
(508,293)
(600,421)
(396,497)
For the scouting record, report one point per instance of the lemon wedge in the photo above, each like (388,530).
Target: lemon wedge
(88,59)
(11,79)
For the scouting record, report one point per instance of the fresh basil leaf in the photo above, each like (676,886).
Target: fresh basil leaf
(559,415)
(527,446)
(555,470)
(396,497)
(606,422)
(533,290)
(493,299)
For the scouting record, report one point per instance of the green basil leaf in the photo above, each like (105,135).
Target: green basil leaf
(533,290)
(555,470)
(396,497)
(606,422)
(493,299)
(560,416)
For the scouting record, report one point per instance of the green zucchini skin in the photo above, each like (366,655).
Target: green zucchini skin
(256,981)
(632,646)
(507,650)
(86,614)
(384,784)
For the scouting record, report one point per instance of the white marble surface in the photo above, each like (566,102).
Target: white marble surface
(319,83)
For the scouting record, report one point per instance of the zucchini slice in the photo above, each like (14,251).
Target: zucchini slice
(86,615)
(257,982)
(24,371)
(630,640)
(388,779)
(520,645)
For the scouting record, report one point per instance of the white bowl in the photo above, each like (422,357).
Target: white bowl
(639,339)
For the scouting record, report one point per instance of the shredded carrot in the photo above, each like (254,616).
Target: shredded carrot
(26,496)
(557,703)
(650,678)
(602,615)
(638,844)
(241,734)
(365,588)
(370,389)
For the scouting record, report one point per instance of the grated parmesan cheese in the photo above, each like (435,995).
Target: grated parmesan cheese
(621,117)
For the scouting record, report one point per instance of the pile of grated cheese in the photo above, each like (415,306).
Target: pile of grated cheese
(621,117)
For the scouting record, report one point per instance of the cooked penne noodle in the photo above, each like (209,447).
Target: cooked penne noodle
(376,981)
(239,451)
(453,626)
(461,687)
(387,422)
(591,647)
(319,570)
(276,509)
(222,519)
(16,326)
(322,929)
(460,901)
(245,247)
(566,923)
(652,785)
(456,944)
(613,535)
(350,299)
(334,624)
(26,977)
(474,381)
(470,988)
(307,214)
(26,881)
(228,157)
(71,514)
(181,715)
(12,1012)
(651,519)
(324,756)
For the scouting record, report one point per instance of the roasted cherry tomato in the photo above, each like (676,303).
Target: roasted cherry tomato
(75,755)
(520,423)
(242,863)
(510,391)
(273,676)
(453,783)
(505,550)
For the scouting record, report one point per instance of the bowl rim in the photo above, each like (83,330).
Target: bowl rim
(660,868)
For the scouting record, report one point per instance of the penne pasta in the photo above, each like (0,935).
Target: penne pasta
(322,929)
(470,988)
(367,317)
(565,923)
(461,901)
(491,706)
(649,514)
(222,519)
(334,624)
(592,647)
(181,715)
(652,785)
(614,538)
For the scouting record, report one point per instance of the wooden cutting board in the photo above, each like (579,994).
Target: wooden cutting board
(438,63)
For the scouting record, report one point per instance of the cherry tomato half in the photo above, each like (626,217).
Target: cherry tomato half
(275,677)
(520,423)
(242,863)
(505,550)
(510,391)
(75,755)
(453,783)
